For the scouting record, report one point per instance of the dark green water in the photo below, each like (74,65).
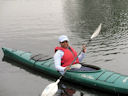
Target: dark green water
(35,26)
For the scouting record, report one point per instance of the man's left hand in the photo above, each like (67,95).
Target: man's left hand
(84,48)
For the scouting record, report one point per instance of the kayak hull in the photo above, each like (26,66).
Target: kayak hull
(99,78)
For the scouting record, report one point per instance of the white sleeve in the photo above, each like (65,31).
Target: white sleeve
(81,56)
(57,60)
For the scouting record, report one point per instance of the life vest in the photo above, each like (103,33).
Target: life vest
(68,56)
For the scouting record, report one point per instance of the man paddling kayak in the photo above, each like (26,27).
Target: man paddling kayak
(65,54)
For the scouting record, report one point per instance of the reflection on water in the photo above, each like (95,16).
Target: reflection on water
(35,26)
(65,91)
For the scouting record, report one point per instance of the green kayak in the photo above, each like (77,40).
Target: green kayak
(87,75)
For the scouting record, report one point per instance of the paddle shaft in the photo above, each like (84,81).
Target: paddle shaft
(96,32)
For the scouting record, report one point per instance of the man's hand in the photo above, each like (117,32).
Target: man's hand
(67,68)
(84,48)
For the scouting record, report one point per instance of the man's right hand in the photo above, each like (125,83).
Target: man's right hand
(67,68)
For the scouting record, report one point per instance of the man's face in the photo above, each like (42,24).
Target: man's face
(64,44)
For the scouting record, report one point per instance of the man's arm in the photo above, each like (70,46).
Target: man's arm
(57,60)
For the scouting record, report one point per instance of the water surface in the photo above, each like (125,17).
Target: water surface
(35,26)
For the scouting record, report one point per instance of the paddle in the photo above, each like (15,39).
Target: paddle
(52,88)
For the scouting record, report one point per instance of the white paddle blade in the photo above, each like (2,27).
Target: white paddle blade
(51,89)
(97,31)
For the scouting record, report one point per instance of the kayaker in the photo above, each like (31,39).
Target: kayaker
(65,54)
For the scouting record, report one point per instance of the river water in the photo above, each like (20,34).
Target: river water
(35,25)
